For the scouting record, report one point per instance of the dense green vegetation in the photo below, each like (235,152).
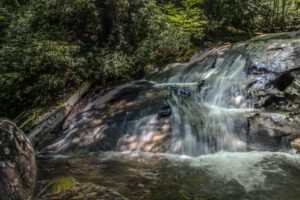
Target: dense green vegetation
(48,47)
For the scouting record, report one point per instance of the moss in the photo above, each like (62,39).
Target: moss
(62,184)
(68,188)
(28,118)
(186,55)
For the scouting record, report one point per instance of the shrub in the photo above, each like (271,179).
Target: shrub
(52,46)
(36,74)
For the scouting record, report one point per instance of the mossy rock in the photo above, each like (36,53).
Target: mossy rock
(63,184)
(67,188)
(28,118)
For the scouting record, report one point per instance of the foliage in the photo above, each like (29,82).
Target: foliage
(187,17)
(253,15)
(48,48)
(53,46)
(37,73)
(73,21)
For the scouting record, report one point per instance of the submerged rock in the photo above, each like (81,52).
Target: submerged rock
(17,163)
(68,188)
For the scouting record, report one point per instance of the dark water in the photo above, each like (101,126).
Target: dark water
(221,176)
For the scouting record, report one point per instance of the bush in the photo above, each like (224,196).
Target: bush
(49,47)
(186,17)
(253,15)
(36,74)
(52,46)
(76,21)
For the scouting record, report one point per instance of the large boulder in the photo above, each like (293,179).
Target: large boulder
(130,117)
(273,71)
(273,80)
(17,163)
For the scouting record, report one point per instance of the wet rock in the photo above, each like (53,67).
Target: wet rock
(118,119)
(154,138)
(203,54)
(184,92)
(284,92)
(17,163)
(68,188)
(274,72)
(273,130)
(283,81)
(165,111)
(40,133)
(201,84)
(296,144)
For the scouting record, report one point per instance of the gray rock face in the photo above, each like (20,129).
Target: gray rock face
(17,163)
(273,131)
(273,79)
(116,121)
(274,71)
(41,132)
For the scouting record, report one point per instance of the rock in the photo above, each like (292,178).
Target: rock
(17,163)
(296,144)
(165,111)
(274,71)
(62,185)
(67,188)
(127,117)
(39,132)
(273,130)
(201,84)
(202,55)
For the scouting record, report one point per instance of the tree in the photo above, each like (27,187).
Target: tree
(186,17)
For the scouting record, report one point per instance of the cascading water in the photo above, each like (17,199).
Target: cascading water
(190,134)
(208,118)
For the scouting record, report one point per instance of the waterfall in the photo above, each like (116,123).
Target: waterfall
(190,109)
(218,128)
(210,120)
(205,104)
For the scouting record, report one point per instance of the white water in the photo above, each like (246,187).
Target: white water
(211,120)
(252,170)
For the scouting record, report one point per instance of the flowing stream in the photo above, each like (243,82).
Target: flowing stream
(183,135)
